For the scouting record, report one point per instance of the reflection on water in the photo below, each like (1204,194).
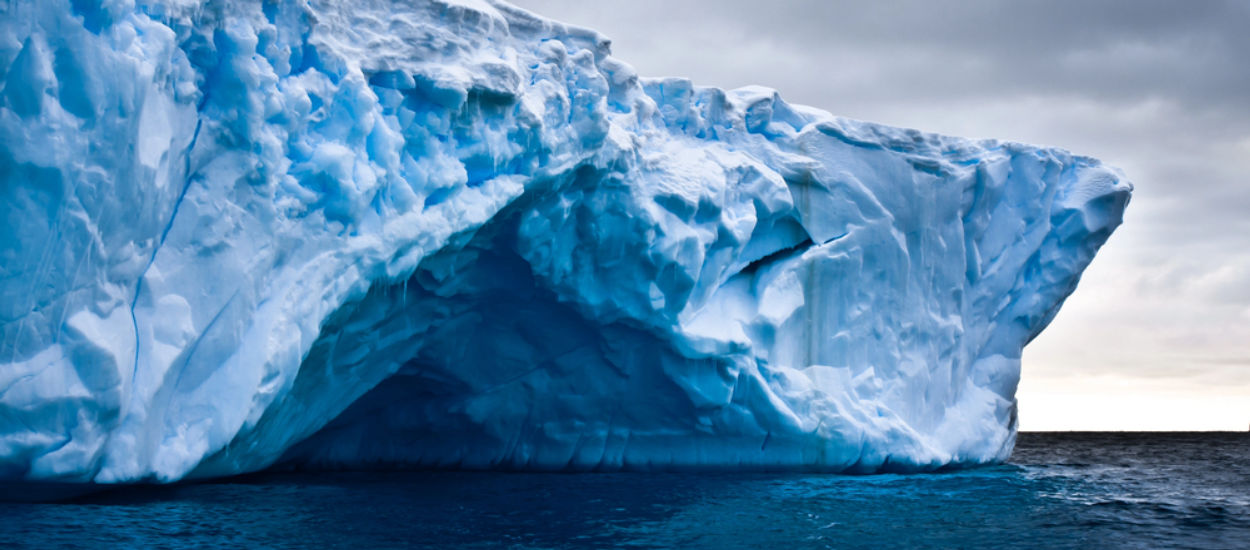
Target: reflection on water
(1061,491)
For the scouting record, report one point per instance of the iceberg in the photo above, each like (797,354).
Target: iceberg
(455,234)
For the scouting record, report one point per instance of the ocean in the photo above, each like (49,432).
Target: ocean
(1060,490)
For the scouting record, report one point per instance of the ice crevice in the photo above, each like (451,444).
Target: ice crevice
(452,233)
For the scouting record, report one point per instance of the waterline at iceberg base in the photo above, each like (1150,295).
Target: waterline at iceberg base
(451,233)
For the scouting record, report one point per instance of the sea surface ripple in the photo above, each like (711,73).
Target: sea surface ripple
(1061,490)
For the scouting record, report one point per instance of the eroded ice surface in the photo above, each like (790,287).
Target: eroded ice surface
(453,233)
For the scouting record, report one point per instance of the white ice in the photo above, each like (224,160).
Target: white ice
(453,233)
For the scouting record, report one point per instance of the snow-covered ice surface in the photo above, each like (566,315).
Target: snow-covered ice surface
(452,233)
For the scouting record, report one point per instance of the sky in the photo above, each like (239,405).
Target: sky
(1157,335)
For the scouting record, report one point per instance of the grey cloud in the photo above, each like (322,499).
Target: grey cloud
(1190,52)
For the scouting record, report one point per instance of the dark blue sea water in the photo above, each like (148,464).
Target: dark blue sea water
(1061,490)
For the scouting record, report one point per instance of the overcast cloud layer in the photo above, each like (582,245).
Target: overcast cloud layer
(1158,334)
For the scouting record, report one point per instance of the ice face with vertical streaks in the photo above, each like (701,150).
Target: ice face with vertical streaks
(452,233)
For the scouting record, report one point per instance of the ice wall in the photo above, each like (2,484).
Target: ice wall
(452,233)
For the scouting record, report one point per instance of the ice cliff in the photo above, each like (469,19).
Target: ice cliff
(452,233)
